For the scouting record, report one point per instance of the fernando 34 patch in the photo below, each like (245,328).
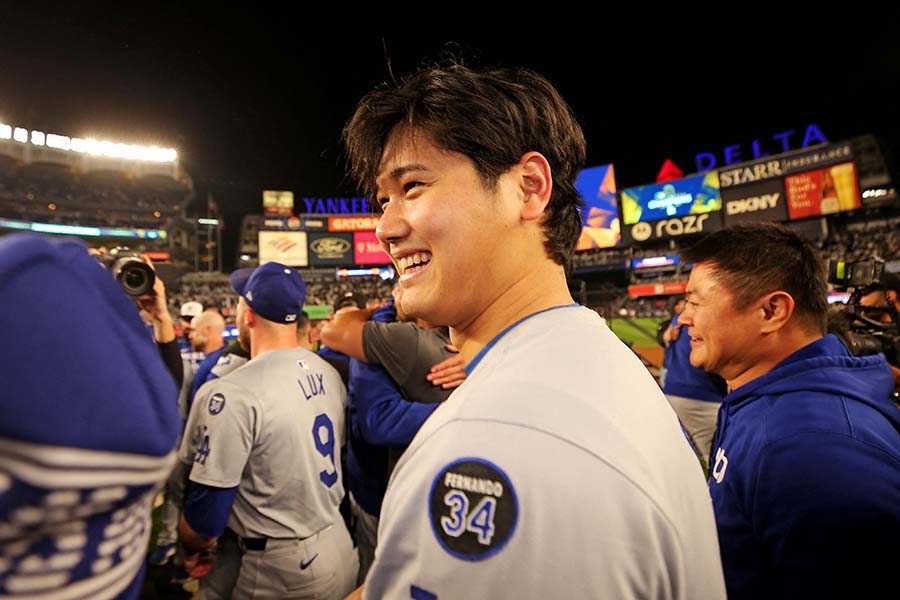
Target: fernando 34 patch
(473,508)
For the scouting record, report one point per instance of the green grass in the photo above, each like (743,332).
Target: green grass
(635,332)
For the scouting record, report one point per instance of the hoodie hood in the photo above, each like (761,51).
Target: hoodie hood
(826,366)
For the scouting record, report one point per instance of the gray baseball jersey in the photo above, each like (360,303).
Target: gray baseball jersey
(274,428)
(557,470)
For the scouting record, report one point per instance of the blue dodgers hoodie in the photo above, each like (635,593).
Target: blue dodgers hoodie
(805,478)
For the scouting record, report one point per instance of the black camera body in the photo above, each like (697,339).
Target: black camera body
(861,328)
(858,275)
(128,267)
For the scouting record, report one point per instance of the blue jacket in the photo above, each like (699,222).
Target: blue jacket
(806,478)
(686,380)
(379,417)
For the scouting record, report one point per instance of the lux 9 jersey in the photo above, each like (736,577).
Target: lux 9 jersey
(274,428)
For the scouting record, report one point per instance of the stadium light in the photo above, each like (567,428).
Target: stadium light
(60,142)
(89,146)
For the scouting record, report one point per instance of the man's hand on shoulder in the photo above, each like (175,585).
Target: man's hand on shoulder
(450,372)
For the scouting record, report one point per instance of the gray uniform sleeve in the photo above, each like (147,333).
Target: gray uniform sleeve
(393,346)
(220,433)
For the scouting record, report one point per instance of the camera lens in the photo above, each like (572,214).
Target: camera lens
(136,278)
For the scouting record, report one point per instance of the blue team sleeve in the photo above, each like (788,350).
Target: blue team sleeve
(206,508)
(386,313)
(820,500)
(385,417)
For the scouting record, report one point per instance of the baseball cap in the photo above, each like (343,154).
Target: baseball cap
(350,299)
(274,291)
(108,358)
(189,310)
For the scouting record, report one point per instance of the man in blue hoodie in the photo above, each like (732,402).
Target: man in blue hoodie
(805,479)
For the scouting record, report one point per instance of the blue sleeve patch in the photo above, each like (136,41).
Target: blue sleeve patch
(473,508)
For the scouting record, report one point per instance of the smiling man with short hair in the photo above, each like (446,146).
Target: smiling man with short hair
(806,459)
(557,469)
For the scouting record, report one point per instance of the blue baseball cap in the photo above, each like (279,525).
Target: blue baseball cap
(274,291)
(99,382)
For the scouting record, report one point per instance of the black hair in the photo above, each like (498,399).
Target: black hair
(493,117)
(753,259)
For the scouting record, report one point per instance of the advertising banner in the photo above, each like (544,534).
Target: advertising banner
(762,201)
(675,227)
(657,289)
(822,191)
(367,250)
(363,223)
(278,202)
(286,247)
(600,218)
(330,249)
(693,195)
(820,157)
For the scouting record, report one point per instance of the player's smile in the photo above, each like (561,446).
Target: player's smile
(410,265)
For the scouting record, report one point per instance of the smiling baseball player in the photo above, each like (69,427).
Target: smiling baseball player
(558,469)
(268,461)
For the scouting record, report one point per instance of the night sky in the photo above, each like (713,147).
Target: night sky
(255,98)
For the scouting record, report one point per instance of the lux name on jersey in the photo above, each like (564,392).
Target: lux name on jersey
(314,385)
(473,484)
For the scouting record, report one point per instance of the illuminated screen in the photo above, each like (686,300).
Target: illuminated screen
(149,234)
(385,273)
(689,196)
(654,262)
(600,218)
(286,247)
(822,191)
(836,297)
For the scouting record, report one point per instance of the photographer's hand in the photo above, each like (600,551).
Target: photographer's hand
(155,310)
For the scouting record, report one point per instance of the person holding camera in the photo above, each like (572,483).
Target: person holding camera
(89,425)
(154,309)
(885,295)
(805,479)
(137,278)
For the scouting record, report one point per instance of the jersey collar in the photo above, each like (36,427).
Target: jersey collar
(481,354)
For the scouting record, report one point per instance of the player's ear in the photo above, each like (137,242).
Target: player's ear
(775,309)
(536,184)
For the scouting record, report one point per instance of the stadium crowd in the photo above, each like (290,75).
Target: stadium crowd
(52,193)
